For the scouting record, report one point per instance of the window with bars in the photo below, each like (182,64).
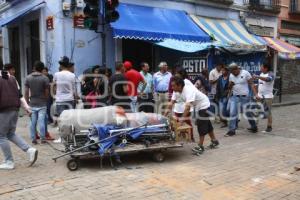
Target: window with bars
(290,25)
(295,6)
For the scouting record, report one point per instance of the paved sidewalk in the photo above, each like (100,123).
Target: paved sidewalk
(287,100)
(247,167)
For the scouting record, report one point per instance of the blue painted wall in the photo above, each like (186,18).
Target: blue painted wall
(84,46)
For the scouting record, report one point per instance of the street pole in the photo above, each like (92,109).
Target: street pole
(103,35)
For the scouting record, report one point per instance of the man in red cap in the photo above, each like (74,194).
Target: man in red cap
(134,79)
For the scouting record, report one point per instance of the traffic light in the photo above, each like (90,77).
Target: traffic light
(91,12)
(111,15)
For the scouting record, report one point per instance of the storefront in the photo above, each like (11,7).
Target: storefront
(157,35)
(233,43)
(288,62)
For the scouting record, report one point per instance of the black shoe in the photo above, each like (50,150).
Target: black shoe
(214,144)
(34,142)
(269,129)
(199,149)
(253,130)
(118,161)
(230,133)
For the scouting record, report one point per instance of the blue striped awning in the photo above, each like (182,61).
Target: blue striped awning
(230,33)
(158,24)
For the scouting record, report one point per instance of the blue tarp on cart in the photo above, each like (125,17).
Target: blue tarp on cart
(108,140)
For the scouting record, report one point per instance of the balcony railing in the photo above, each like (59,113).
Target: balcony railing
(295,7)
(227,2)
(264,5)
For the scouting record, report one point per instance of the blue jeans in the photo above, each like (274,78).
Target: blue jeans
(236,105)
(38,116)
(7,133)
(223,108)
(134,104)
(61,106)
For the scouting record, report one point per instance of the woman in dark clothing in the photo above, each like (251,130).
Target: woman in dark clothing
(222,95)
(93,88)
(201,82)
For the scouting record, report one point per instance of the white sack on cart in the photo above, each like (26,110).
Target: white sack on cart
(82,119)
(141,118)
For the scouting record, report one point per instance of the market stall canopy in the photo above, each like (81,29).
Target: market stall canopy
(285,50)
(19,10)
(230,33)
(149,23)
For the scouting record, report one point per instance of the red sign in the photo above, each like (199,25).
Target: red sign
(78,21)
(50,23)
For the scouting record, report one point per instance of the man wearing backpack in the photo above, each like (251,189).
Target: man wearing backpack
(10,101)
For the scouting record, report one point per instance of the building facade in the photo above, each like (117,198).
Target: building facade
(289,22)
(237,10)
(289,31)
(44,30)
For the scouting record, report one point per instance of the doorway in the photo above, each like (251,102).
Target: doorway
(137,51)
(33,50)
(14,53)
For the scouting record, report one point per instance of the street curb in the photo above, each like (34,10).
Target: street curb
(285,104)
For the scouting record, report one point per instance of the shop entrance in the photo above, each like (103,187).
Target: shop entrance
(33,50)
(138,51)
(14,44)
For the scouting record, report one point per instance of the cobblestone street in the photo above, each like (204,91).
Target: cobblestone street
(247,167)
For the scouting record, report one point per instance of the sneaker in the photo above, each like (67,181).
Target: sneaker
(230,133)
(7,165)
(269,129)
(214,144)
(34,142)
(198,149)
(58,140)
(32,154)
(37,136)
(253,130)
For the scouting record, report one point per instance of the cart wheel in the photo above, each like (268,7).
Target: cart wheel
(158,157)
(72,164)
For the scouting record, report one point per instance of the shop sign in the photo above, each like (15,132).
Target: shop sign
(78,21)
(194,65)
(50,23)
(251,62)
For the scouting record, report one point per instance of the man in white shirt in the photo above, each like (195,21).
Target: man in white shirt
(193,98)
(239,82)
(214,75)
(64,82)
(179,105)
(265,90)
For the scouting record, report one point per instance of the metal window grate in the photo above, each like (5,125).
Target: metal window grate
(295,6)
(264,5)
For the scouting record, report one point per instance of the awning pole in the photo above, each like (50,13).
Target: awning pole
(275,61)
